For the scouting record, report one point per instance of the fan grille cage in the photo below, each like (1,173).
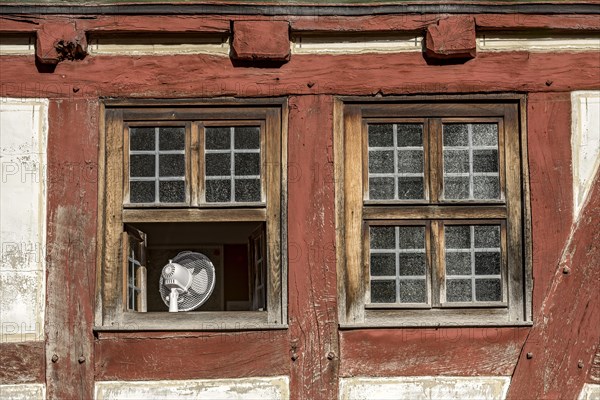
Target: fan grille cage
(203,283)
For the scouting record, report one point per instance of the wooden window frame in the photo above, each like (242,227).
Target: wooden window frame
(355,213)
(115,211)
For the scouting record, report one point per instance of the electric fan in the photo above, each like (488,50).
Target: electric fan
(187,281)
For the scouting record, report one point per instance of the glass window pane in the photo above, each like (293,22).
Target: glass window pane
(142,165)
(383,237)
(458,290)
(456,161)
(485,134)
(410,188)
(218,164)
(381,161)
(247,164)
(171,191)
(142,138)
(171,165)
(471,150)
(458,263)
(247,137)
(383,264)
(487,263)
(218,138)
(487,236)
(413,291)
(411,237)
(455,135)
(218,191)
(456,188)
(485,160)
(486,187)
(488,290)
(409,135)
(141,191)
(383,291)
(381,188)
(247,190)
(410,161)
(171,138)
(457,236)
(381,135)
(411,264)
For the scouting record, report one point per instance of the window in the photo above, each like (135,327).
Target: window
(202,177)
(431,228)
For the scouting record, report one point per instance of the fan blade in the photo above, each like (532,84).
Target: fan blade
(200,282)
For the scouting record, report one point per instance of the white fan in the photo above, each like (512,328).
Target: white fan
(187,281)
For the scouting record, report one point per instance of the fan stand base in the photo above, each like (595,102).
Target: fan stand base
(173,297)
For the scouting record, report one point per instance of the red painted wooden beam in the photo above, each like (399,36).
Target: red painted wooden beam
(451,38)
(59,40)
(261,41)
(22,363)
(414,352)
(559,351)
(399,73)
(206,355)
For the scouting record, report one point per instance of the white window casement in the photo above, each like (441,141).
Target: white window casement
(192,176)
(431,226)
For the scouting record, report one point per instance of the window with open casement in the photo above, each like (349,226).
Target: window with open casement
(432,227)
(199,177)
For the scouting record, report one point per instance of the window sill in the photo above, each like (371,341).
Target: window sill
(192,321)
(435,318)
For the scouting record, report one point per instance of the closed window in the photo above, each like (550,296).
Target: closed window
(433,214)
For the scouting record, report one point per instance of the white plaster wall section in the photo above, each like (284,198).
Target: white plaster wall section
(424,388)
(272,388)
(355,44)
(585,144)
(590,391)
(29,391)
(534,42)
(23,141)
(152,44)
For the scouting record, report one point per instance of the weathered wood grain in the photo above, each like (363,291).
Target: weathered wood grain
(193,355)
(550,180)
(564,340)
(594,375)
(418,351)
(399,73)
(72,207)
(22,363)
(312,269)
(323,23)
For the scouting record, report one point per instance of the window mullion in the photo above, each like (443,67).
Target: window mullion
(434,137)
(436,265)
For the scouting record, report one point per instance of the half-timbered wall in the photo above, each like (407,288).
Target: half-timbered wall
(52,107)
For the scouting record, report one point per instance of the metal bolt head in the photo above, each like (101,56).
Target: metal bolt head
(81,359)
(330,355)
(54,358)
(529,355)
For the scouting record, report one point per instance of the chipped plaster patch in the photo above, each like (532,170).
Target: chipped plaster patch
(424,388)
(590,391)
(242,388)
(23,146)
(30,391)
(585,144)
